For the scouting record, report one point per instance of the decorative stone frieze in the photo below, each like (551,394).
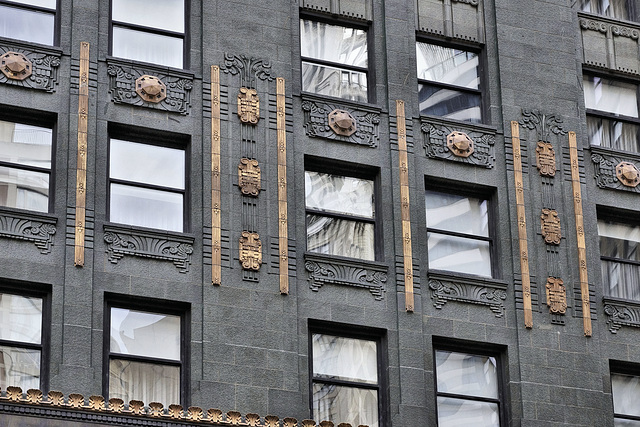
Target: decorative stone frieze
(29,67)
(247,68)
(545,159)
(341,123)
(142,85)
(550,226)
(608,44)
(324,270)
(612,171)
(28,226)
(354,9)
(123,240)
(463,143)
(445,287)
(249,177)
(248,106)
(250,251)
(621,313)
(556,295)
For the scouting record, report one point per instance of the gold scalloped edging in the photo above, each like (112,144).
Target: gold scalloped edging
(154,409)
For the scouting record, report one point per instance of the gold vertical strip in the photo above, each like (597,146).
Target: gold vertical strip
(522,225)
(216,237)
(81,162)
(283,234)
(405,207)
(582,252)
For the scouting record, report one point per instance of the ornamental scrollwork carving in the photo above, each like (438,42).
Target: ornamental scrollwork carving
(343,272)
(32,228)
(250,251)
(545,159)
(168,90)
(556,295)
(451,289)
(364,129)
(593,25)
(470,2)
(621,313)
(147,244)
(249,69)
(543,124)
(550,226)
(479,145)
(618,30)
(614,172)
(33,68)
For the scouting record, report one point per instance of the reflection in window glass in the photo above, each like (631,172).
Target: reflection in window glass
(620,259)
(619,9)
(20,21)
(625,390)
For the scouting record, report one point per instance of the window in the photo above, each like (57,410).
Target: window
(32,20)
(345,379)
(340,215)
(21,341)
(620,258)
(25,166)
(334,60)
(468,391)
(612,113)
(145,354)
(619,9)
(148,193)
(150,34)
(449,82)
(625,390)
(458,233)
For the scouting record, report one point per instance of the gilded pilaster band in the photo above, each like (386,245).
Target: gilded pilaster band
(81,162)
(283,235)
(216,247)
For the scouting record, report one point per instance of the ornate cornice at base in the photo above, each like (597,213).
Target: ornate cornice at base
(605,162)
(338,271)
(124,240)
(474,290)
(122,85)
(621,312)
(435,133)
(316,122)
(45,63)
(33,227)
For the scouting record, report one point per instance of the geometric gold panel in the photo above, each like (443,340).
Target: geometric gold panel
(151,88)
(15,65)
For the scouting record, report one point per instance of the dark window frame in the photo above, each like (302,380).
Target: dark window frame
(352,170)
(345,330)
(158,138)
(154,306)
(623,368)
(55,12)
(186,36)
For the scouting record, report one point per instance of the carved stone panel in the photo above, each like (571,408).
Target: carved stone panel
(550,224)
(32,228)
(249,177)
(610,45)
(556,296)
(459,143)
(615,172)
(126,80)
(621,313)
(545,159)
(324,271)
(248,106)
(318,123)
(460,19)
(248,69)
(444,288)
(355,9)
(28,67)
(250,251)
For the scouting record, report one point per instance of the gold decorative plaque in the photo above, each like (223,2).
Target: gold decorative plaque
(550,224)
(248,106)
(216,247)
(546,159)
(283,233)
(250,251)
(556,296)
(81,162)
(628,174)
(249,177)
(15,66)
(151,89)
(460,144)
(342,122)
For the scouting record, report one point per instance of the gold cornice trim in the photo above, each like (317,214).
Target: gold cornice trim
(283,234)
(403,161)
(522,225)
(216,246)
(81,162)
(582,252)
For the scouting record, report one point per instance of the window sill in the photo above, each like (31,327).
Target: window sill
(606,161)
(326,269)
(36,227)
(621,312)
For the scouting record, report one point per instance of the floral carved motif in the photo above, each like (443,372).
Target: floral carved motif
(556,295)
(343,272)
(550,225)
(33,228)
(612,171)
(250,251)
(545,159)
(341,123)
(469,145)
(450,289)
(249,69)
(29,67)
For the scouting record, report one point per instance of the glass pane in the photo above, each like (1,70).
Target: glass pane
(333,43)
(49,4)
(20,318)
(144,381)
(625,390)
(459,254)
(19,367)
(621,280)
(145,334)
(146,163)
(162,14)
(613,134)
(452,212)
(25,144)
(333,81)
(339,194)
(447,65)
(146,208)
(614,8)
(464,413)
(611,96)
(345,405)
(449,103)
(467,374)
(27,25)
(147,47)
(619,240)
(345,358)
(340,237)
(620,422)
(24,189)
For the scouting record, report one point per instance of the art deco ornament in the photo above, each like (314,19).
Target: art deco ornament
(15,65)
(342,122)
(550,226)
(248,106)
(545,159)
(556,296)
(151,88)
(250,251)
(249,177)
(460,144)
(628,174)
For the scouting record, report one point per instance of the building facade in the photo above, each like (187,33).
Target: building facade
(382,213)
